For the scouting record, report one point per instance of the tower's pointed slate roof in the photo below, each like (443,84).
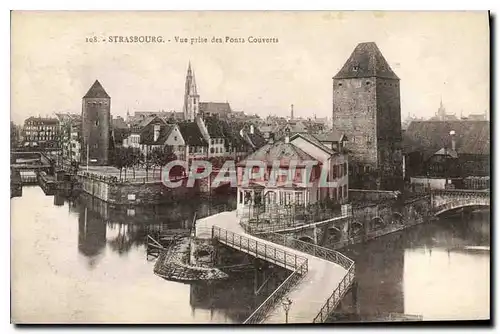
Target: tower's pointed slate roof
(366,61)
(96,91)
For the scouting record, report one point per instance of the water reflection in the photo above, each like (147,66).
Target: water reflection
(129,226)
(91,235)
(438,270)
(90,264)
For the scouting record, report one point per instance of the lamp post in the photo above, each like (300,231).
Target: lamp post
(287,303)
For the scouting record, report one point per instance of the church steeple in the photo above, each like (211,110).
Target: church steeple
(441,113)
(191,97)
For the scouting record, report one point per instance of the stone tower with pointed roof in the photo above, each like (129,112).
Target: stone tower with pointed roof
(367,108)
(96,119)
(191,97)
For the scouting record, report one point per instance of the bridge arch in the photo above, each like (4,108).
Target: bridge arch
(306,239)
(447,209)
(397,217)
(334,233)
(377,221)
(357,224)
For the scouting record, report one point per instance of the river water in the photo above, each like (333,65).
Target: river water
(81,261)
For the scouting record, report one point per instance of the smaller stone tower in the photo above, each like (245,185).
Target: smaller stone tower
(96,119)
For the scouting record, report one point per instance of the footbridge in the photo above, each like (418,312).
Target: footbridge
(319,278)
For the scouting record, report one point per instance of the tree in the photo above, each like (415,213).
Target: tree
(155,159)
(161,157)
(134,158)
(118,159)
(147,161)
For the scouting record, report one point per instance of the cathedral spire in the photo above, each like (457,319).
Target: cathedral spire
(191,97)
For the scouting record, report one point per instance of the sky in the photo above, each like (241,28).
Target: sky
(437,55)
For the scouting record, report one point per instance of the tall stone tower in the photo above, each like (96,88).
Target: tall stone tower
(191,97)
(367,108)
(96,119)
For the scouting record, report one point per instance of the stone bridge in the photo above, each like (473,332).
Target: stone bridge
(370,221)
(448,200)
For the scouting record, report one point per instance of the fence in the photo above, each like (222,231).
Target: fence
(309,248)
(294,262)
(288,215)
(263,310)
(259,249)
(298,263)
(336,297)
(326,254)
(128,180)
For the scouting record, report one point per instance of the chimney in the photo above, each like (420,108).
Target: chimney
(251,129)
(453,141)
(271,138)
(287,135)
(156,132)
(291,112)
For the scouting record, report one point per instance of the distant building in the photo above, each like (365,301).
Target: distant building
(140,115)
(157,134)
(220,109)
(41,132)
(447,149)
(213,132)
(196,145)
(367,107)
(96,126)
(174,116)
(15,135)
(119,122)
(441,114)
(70,126)
(477,117)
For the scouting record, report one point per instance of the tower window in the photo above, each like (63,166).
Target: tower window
(355,68)
(97,122)
(340,83)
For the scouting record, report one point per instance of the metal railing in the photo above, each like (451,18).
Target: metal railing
(294,262)
(336,297)
(259,249)
(290,261)
(309,248)
(326,254)
(255,227)
(268,305)
(128,180)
